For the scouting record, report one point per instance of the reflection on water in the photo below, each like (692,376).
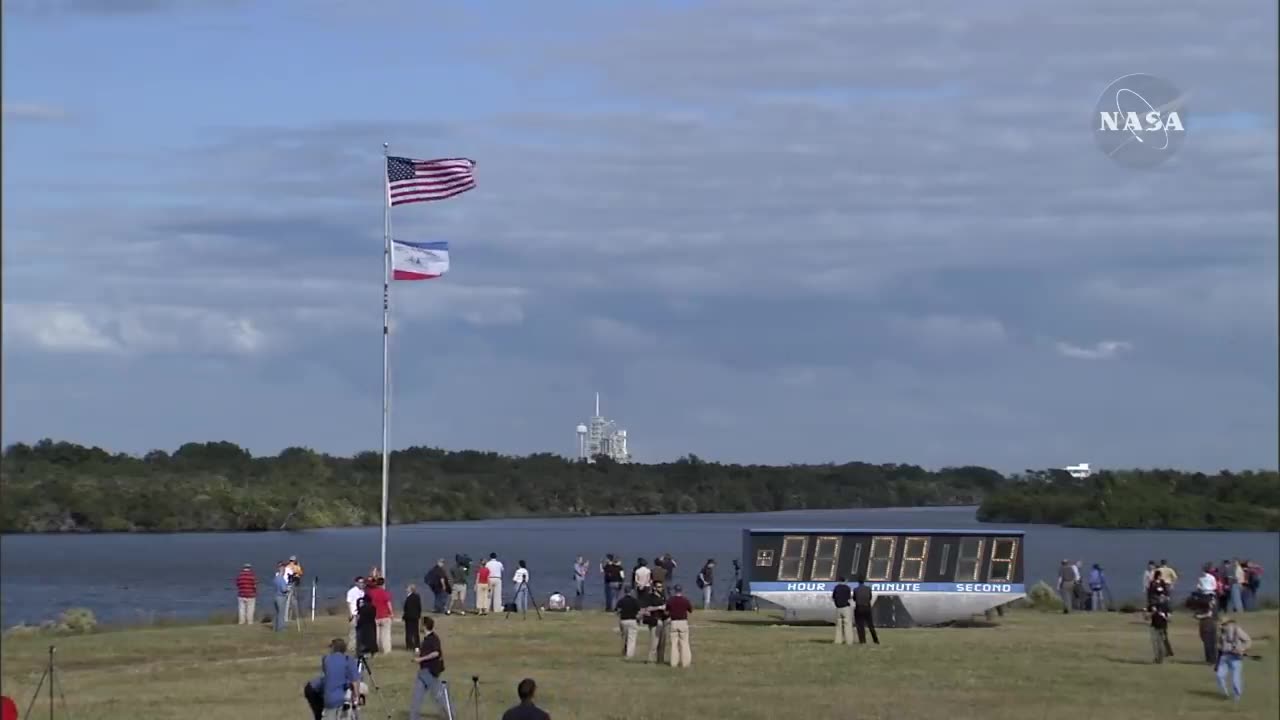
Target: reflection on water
(123,577)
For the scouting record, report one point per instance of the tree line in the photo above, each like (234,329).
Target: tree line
(1140,499)
(64,487)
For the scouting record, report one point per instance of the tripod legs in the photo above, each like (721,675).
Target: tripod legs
(49,674)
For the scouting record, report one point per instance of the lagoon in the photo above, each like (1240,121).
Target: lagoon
(128,578)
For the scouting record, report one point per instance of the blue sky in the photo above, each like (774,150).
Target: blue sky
(765,232)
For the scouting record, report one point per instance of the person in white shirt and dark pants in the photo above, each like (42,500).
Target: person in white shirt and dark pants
(521,581)
(353,598)
(495,582)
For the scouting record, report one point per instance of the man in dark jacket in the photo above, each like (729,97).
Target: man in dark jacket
(862,601)
(438,580)
(841,597)
(412,616)
(654,611)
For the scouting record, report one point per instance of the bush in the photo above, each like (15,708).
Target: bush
(77,620)
(1043,598)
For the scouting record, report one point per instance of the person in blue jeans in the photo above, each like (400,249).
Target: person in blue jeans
(1233,645)
(1097,589)
(430,661)
(281,583)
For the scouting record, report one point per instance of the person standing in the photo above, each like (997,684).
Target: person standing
(658,573)
(293,573)
(1160,647)
(678,609)
(354,594)
(641,576)
(482,589)
(520,579)
(1168,573)
(430,661)
(1208,627)
(1068,576)
(1252,582)
(495,582)
(1233,645)
(862,617)
(653,603)
(1235,591)
(1097,589)
(526,710)
(246,595)
(611,571)
(705,580)
(281,585)
(438,580)
(628,625)
(411,613)
(382,613)
(841,597)
(458,587)
(580,568)
(339,673)
(668,564)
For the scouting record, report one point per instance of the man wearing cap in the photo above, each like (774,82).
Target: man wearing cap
(1233,645)
(246,595)
(678,609)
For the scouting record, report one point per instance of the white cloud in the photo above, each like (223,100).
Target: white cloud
(138,329)
(1103,350)
(33,111)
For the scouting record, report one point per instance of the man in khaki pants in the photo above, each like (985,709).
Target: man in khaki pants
(628,626)
(844,613)
(678,609)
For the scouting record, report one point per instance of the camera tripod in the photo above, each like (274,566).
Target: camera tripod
(49,673)
(363,667)
(474,696)
(524,585)
(291,607)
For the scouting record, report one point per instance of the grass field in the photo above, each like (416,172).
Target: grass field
(1029,665)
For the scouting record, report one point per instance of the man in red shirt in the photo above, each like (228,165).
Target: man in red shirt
(678,609)
(246,594)
(381,600)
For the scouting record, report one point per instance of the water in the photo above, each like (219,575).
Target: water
(124,578)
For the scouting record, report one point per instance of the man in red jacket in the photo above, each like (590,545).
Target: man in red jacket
(246,594)
(381,599)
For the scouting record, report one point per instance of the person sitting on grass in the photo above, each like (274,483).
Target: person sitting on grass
(526,710)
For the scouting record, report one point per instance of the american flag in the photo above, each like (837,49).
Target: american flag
(410,180)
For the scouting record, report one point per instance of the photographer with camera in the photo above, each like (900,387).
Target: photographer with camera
(430,660)
(282,590)
(338,687)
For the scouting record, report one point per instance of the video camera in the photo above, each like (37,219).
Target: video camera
(463,559)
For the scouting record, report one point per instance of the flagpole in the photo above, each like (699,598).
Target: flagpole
(386,366)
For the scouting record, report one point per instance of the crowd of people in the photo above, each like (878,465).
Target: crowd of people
(1221,592)
(648,599)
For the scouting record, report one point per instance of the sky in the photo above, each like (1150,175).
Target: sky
(765,231)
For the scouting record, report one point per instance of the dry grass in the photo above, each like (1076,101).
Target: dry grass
(1030,666)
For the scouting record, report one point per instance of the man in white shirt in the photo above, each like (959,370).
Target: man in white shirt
(521,582)
(353,597)
(495,582)
(641,577)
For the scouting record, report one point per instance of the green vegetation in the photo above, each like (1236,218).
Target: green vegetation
(62,487)
(1031,665)
(52,487)
(1140,499)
